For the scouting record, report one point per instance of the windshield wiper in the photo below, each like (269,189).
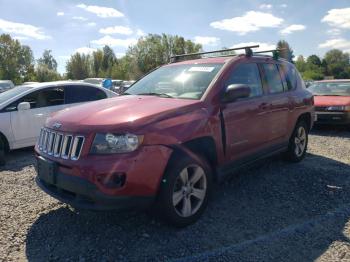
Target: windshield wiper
(156,94)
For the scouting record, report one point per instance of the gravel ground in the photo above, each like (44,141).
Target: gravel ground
(274,211)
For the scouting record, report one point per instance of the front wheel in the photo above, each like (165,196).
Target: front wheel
(184,191)
(298,142)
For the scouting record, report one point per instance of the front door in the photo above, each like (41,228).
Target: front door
(26,124)
(245,119)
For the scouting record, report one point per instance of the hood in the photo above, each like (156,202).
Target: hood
(332,100)
(123,111)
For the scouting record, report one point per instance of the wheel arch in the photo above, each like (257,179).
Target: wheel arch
(306,117)
(6,143)
(197,148)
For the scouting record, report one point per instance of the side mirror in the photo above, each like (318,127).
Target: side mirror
(236,91)
(23,106)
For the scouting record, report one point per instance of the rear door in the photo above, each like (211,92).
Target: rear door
(26,124)
(278,104)
(245,119)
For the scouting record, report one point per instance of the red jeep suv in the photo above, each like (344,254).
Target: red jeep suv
(173,133)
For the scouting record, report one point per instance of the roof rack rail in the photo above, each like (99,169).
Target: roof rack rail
(275,52)
(248,52)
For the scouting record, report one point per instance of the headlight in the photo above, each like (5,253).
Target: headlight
(338,108)
(115,143)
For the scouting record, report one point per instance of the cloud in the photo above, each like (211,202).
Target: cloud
(139,32)
(123,30)
(23,30)
(85,50)
(339,43)
(80,18)
(292,28)
(262,46)
(60,13)
(91,24)
(334,31)
(339,18)
(265,6)
(110,41)
(251,21)
(101,11)
(207,40)
(20,37)
(283,5)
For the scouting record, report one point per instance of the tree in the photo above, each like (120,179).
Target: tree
(44,74)
(300,64)
(97,58)
(48,60)
(337,63)
(314,60)
(16,61)
(286,51)
(154,50)
(109,60)
(46,69)
(79,66)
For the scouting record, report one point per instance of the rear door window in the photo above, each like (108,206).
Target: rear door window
(79,94)
(289,73)
(273,78)
(247,74)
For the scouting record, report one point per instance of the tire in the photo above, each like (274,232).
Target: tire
(298,142)
(184,191)
(2,152)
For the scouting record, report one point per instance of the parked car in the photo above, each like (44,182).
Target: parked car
(94,81)
(29,83)
(332,101)
(24,109)
(6,85)
(116,85)
(165,144)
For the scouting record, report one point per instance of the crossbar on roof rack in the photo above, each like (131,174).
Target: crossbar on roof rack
(248,51)
(275,52)
(270,51)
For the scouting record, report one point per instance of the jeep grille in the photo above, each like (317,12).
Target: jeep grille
(61,145)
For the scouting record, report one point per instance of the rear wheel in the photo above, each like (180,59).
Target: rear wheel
(184,191)
(298,142)
(2,152)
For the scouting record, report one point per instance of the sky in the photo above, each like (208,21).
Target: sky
(69,26)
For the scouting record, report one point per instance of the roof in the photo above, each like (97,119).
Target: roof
(58,83)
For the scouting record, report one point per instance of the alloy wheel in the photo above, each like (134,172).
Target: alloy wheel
(300,141)
(189,191)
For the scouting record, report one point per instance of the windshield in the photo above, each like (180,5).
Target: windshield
(330,88)
(177,81)
(12,93)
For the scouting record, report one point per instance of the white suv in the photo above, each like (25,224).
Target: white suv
(24,109)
